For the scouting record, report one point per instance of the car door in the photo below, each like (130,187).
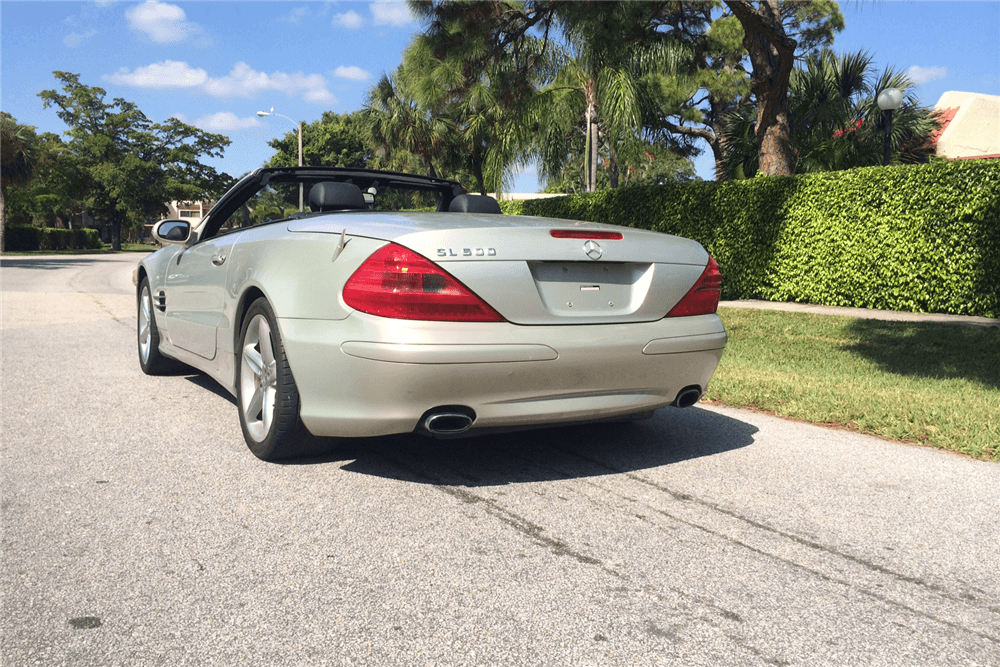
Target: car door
(196,294)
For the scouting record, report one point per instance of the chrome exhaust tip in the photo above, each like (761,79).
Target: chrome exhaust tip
(447,422)
(687,397)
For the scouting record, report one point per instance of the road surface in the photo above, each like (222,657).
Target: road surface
(137,529)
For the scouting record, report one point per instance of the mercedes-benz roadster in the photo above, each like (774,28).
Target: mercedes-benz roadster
(363,315)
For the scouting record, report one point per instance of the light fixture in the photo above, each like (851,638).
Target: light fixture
(264,114)
(888,101)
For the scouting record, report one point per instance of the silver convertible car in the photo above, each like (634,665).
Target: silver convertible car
(397,303)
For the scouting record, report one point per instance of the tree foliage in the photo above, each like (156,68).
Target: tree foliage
(131,165)
(335,140)
(17,160)
(835,120)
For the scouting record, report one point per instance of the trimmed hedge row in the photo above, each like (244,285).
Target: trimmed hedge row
(923,238)
(22,238)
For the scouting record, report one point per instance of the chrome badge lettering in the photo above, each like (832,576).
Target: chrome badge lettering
(467,252)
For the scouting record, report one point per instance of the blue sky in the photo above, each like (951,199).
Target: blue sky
(215,64)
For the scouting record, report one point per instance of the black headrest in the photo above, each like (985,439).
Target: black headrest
(332,196)
(474,204)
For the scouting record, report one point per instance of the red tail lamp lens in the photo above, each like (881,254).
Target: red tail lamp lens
(703,298)
(398,283)
(585,234)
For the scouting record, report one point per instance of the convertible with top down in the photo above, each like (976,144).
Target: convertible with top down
(363,315)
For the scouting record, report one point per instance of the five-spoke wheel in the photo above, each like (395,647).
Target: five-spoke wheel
(265,389)
(151,360)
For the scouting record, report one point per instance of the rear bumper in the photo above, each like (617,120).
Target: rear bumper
(370,376)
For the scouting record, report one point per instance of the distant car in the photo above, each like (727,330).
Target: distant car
(353,319)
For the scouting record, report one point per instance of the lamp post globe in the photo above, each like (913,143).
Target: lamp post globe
(888,101)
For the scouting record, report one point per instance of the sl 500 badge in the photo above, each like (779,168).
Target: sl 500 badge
(467,252)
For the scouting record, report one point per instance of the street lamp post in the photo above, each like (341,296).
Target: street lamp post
(264,114)
(888,101)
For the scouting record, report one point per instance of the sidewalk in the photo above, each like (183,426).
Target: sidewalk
(863,313)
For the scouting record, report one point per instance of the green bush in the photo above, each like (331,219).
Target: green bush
(923,238)
(23,238)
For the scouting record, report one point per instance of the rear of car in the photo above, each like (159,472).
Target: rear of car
(454,322)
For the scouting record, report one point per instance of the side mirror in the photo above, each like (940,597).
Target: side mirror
(172,231)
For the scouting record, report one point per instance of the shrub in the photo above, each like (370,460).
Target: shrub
(23,238)
(923,238)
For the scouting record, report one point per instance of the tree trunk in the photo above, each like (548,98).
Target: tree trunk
(772,54)
(3,217)
(592,154)
(613,168)
(116,230)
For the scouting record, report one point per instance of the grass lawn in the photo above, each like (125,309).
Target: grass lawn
(928,383)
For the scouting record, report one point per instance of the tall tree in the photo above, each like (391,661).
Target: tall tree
(400,128)
(133,166)
(772,51)
(835,120)
(57,190)
(604,87)
(478,67)
(717,82)
(335,140)
(17,160)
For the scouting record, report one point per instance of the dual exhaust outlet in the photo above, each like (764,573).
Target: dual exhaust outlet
(453,420)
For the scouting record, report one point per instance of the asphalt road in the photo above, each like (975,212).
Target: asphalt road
(137,529)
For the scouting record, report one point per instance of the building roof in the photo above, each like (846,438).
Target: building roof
(971,126)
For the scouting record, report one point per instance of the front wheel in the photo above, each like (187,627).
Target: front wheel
(151,360)
(265,389)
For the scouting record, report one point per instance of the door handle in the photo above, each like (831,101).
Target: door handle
(218,260)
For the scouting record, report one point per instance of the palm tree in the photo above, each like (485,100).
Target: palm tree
(601,89)
(400,129)
(836,122)
(17,160)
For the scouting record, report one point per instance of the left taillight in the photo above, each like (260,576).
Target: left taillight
(398,283)
(703,297)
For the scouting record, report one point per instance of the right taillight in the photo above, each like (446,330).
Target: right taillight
(703,298)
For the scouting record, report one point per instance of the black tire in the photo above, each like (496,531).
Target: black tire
(151,360)
(266,396)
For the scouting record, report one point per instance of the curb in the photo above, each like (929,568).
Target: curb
(863,313)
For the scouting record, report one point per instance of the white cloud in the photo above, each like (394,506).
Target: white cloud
(75,39)
(295,16)
(168,74)
(352,72)
(225,121)
(391,12)
(163,22)
(921,75)
(349,20)
(242,81)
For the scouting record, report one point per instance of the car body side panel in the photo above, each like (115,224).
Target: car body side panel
(196,294)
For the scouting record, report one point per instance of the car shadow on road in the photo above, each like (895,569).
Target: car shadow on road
(547,454)
(206,382)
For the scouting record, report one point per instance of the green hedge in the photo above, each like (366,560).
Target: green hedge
(22,238)
(923,238)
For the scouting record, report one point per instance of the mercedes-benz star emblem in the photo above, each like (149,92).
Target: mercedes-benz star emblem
(593,250)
